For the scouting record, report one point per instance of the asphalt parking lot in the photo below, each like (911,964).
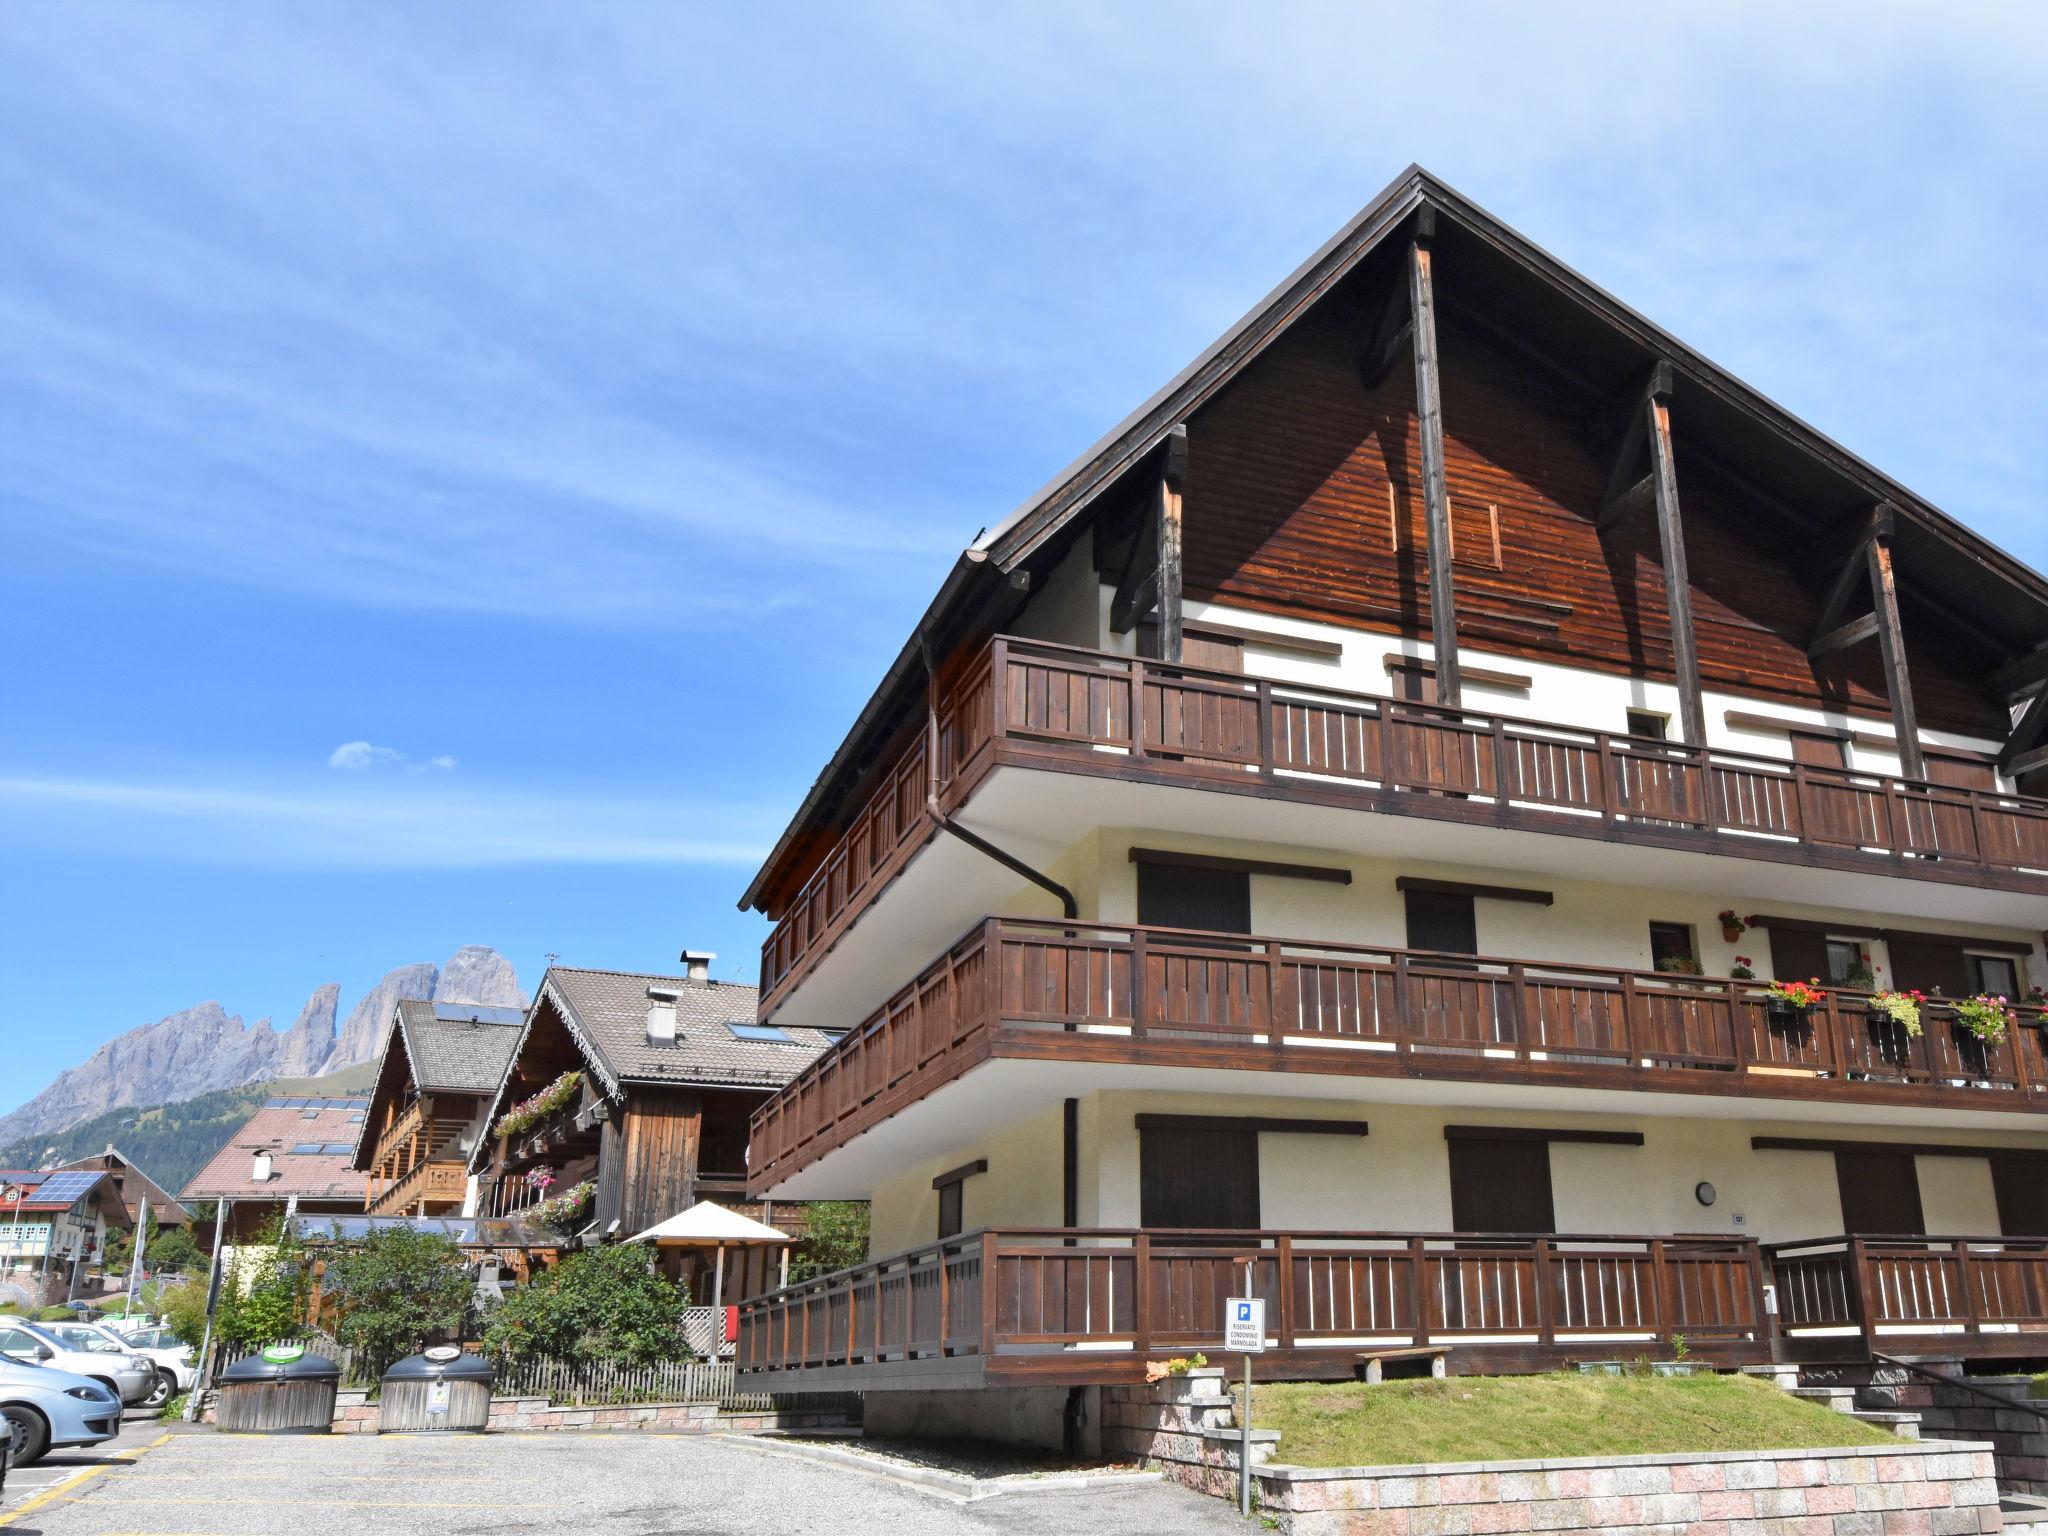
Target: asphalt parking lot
(138,1429)
(199,1483)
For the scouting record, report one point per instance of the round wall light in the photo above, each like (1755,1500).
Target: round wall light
(1705,1193)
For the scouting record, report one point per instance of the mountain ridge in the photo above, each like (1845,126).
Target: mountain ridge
(205,1048)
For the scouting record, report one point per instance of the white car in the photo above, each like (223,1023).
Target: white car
(83,1350)
(176,1370)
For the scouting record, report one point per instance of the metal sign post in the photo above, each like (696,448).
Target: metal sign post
(1244,1332)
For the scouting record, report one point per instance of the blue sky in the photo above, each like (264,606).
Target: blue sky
(462,466)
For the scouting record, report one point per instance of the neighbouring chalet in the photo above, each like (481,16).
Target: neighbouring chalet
(134,1188)
(627,1100)
(1369,797)
(442,1063)
(54,1226)
(295,1155)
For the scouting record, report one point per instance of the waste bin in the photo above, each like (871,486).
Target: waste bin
(444,1390)
(285,1390)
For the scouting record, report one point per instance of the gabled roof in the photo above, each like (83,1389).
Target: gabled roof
(51,1193)
(1528,302)
(164,1208)
(605,1013)
(439,1048)
(277,1128)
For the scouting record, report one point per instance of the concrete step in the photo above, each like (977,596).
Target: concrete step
(1905,1425)
(1841,1399)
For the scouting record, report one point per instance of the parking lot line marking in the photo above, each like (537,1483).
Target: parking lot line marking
(154,1498)
(79,1479)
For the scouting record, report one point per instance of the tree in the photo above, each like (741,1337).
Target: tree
(173,1251)
(601,1304)
(395,1292)
(835,1237)
(263,1295)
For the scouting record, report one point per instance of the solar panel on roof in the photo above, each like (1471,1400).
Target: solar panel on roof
(66,1186)
(456,1013)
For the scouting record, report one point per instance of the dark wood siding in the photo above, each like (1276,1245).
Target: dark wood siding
(1930,967)
(2021,1185)
(1198,1178)
(1303,497)
(1880,1194)
(659,1143)
(1501,1186)
(1798,954)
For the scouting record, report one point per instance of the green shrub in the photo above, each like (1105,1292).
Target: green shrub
(263,1296)
(395,1292)
(602,1304)
(57,1315)
(835,1237)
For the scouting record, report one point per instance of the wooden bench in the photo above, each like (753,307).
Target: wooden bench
(1372,1364)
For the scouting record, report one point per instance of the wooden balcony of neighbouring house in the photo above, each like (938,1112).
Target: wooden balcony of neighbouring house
(1490,790)
(1079,1306)
(435,1186)
(1096,997)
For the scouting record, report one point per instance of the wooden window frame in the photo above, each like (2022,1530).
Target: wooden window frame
(1281,1125)
(1328,873)
(1477,892)
(1542,1133)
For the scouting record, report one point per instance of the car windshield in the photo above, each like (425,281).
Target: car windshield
(91,1340)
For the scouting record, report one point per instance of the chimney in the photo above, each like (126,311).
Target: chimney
(697,964)
(661,1016)
(259,1171)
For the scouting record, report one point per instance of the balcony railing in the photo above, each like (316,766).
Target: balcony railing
(1089,991)
(439,1182)
(1030,703)
(1985,1295)
(1074,1304)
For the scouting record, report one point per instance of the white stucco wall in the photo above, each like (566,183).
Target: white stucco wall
(1397,1178)
(1587,923)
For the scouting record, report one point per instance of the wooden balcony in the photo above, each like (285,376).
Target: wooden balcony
(1845,1297)
(1055,990)
(439,1183)
(1028,704)
(1078,1306)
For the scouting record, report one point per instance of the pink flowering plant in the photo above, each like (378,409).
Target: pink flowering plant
(529,1112)
(564,1210)
(1984,1016)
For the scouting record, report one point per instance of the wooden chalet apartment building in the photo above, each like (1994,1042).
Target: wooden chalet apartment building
(1291,850)
(625,1099)
(441,1067)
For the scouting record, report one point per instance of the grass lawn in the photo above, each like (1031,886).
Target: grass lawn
(1513,1418)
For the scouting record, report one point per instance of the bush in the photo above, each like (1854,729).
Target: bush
(835,1237)
(56,1315)
(602,1304)
(264,1293)
(395,1292)
(184,1311)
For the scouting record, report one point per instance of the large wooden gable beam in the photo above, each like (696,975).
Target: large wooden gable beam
(2019,675)
(2024,751)
(1630,485)
(1685,654)
(1151,578)
(1863,546)
(1395,329)
(1443,615)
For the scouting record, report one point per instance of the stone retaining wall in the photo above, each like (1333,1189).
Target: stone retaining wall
(2018,1438)
(1925,1489)
(355,1414)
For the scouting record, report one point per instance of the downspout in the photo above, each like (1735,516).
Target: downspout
(1069,907)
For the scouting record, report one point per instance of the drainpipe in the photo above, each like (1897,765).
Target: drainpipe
(1069,907)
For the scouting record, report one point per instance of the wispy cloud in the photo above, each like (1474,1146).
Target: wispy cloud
(367,757)
(405,823)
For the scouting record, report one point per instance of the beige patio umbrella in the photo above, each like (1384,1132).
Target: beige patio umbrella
(708,1225)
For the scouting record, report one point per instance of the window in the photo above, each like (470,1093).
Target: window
(949,1209)
(1880,1193)
(306,1148)
(1818,749)
(1644,722)
(1996,975)
(337,1149)
(1672,948)
(1213,900)
(311,1114)
(1443,921)
(1203,1178)
(1501,1186)
(1845,963)
(762,1034)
